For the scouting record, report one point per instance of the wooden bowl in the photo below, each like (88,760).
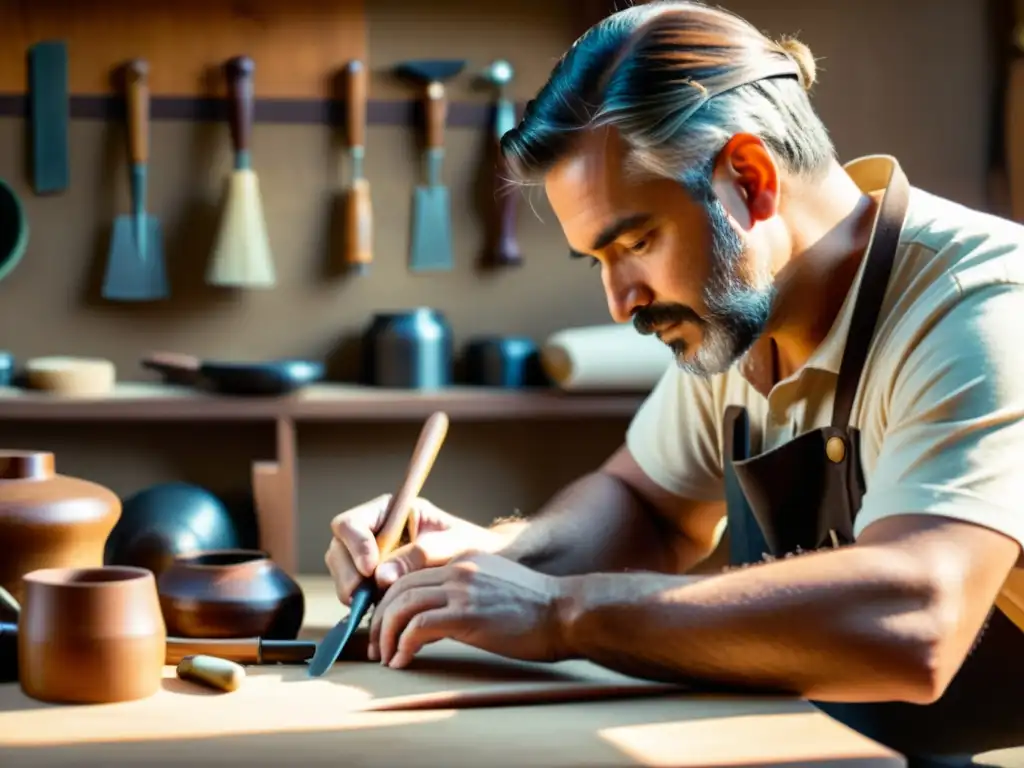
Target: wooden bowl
(230,593)
(90,635)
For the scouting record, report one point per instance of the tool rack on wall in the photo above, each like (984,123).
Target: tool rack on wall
(186,84)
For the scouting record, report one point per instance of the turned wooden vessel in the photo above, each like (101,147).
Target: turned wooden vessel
(91,635)
(49,520)
(230,593)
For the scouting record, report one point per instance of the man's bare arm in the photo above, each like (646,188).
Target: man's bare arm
(612,520)
(889,619)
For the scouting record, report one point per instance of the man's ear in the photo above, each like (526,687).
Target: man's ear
(746,180)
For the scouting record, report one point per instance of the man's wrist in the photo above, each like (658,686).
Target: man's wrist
(568,606)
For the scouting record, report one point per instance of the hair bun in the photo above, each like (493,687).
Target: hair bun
(804,59)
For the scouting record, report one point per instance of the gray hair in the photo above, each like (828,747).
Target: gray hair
(677,80)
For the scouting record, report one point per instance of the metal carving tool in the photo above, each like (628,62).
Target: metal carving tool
(432,225)
(504,247)
(427,447)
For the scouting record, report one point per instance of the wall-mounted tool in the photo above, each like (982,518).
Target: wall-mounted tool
(358,204)
(503,250)
(49,116)
(432,225)
(242,256)
(135,265)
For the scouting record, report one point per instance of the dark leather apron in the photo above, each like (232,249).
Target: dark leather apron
(805,494)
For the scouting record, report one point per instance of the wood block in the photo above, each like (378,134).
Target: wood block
(298,46)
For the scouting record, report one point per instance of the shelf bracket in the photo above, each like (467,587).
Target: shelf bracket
(275,499)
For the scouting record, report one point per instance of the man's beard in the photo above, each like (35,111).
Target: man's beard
(737,311)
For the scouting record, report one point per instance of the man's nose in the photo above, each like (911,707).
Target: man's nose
(625,296)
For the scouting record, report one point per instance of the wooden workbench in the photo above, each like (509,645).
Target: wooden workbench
(279,717)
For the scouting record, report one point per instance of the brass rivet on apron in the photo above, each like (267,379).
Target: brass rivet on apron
(835,449)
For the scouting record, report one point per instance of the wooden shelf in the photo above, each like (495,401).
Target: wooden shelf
(133,401)
(396,112)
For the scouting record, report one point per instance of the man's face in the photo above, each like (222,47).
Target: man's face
(677,268)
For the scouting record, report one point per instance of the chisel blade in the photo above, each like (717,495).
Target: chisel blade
(432,230)
(330,648)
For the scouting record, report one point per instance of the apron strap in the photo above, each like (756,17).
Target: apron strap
(874,283)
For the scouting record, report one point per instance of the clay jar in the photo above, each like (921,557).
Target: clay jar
(49,520)
(230,593)
(91,635)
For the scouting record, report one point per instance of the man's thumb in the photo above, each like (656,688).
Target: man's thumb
(427,550)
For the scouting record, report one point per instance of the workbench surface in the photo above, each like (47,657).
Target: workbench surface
(280,718)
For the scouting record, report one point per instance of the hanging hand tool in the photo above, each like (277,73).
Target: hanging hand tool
(242,256)
(135,265)
(358,204)
(427,447)
(49,116)
(432,225)
(504,249)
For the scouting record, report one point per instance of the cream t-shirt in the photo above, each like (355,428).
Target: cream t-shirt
(940,406)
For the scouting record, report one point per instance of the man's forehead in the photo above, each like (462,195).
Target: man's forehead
(596,160)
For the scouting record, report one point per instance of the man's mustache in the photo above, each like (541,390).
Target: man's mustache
(648,319)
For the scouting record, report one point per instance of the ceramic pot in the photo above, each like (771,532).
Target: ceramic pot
(230,593)
(509,362)
(408,350)
(49,520)
(90,635)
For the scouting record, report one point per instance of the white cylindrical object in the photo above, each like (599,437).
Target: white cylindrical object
(605,357)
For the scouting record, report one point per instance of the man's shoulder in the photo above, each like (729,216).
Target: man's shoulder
(951,256)
(969,244)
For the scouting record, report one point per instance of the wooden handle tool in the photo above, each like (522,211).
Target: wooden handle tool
(240,74)
(395,519)
(137,82)
(358,205)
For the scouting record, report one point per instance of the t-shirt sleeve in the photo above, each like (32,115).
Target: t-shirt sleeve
(954,437)
(674,437)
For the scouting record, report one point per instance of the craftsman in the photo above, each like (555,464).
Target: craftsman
(848,403)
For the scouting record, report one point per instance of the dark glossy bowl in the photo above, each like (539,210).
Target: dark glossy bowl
(271,378)
(258,379)
(170,520)
(229,594)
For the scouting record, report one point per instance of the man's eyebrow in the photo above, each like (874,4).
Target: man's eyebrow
(614,231)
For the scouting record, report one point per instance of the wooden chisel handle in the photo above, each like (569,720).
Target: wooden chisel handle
(430,441)
(506,247)
(355,107)
(137,109)
(358,204)
(436,114)
(239,72)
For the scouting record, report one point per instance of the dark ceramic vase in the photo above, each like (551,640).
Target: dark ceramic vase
(230,593)
(408,350)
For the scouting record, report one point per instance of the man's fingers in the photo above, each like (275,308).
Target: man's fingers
(425,628)
(343,573)
(402,610)
(355,529)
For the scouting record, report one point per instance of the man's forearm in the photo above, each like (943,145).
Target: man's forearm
(595,524)
(848,625)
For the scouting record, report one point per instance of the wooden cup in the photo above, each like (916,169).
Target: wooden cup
(90,635)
